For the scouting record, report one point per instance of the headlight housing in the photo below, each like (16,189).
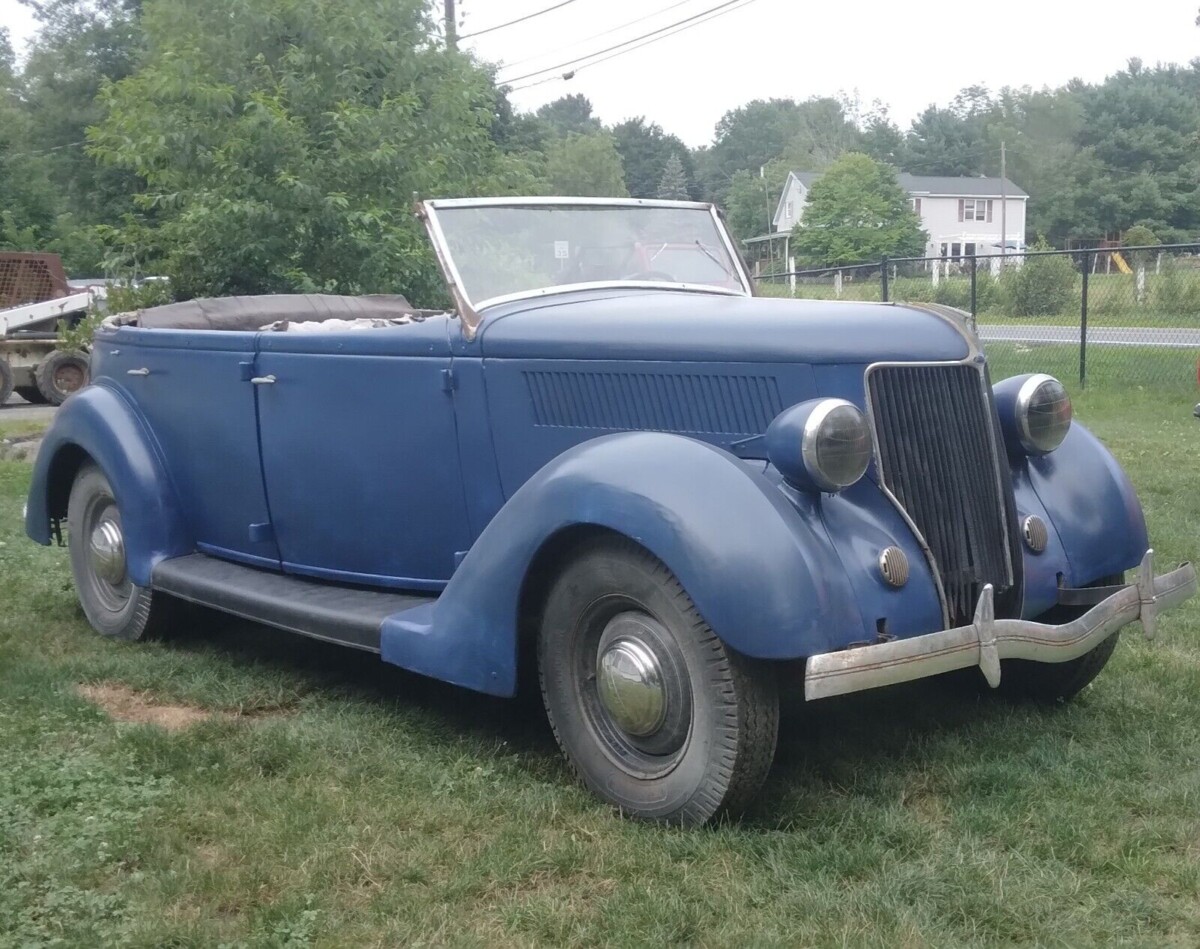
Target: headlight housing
(820,445)
(1042,414)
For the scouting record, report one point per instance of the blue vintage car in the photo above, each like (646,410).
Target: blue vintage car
(616,462)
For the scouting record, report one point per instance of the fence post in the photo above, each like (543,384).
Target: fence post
(883,286)
(974,291)
(1083,308)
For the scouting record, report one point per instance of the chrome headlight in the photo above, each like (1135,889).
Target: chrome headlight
(821,445)
(1042,413)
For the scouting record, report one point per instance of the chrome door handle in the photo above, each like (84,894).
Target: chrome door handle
(263,380)
(137,372)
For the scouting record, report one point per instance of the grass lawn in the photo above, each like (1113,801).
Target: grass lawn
(306,795)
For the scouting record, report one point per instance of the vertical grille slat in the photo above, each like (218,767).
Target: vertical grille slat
(937,455)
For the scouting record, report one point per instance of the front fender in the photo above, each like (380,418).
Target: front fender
(761,572)
(1092,505)
(99,424)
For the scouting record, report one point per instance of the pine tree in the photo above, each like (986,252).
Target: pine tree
(673,186)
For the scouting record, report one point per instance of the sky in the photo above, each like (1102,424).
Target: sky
(907,55)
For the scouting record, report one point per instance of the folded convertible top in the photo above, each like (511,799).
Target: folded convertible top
(248,314)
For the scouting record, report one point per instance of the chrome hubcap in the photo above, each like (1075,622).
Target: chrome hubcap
(107,551)
(629,682)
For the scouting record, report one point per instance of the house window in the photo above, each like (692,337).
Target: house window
(787,211)
(915,204)
(975,209)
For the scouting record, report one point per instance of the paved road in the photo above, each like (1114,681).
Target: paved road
(18,410)
(1174,338)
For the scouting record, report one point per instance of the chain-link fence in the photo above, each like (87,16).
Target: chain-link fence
(1120,316)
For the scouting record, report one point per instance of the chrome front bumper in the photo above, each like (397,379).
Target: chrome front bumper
(988,640)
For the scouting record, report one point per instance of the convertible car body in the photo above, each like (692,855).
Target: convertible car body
(661,486)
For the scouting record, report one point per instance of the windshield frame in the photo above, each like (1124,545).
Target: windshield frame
(471,311)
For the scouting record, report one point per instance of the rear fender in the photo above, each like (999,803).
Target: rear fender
(97,423)
(761,571)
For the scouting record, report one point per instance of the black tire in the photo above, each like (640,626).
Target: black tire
(60,374)
(114,605)
(1058,681)
(6,380)
(30,394)
(715,739)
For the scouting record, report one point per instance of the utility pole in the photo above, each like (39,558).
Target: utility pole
(1003,205)
(451,29)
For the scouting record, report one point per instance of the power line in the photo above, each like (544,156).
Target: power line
(596,36)
(620,49)
(623,43)
(520,19)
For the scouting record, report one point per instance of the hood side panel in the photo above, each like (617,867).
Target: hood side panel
(541,408)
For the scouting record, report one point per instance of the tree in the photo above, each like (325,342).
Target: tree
(674,183)
(281,143)
(747,138)
(81,46)
(752,198)
(645,149)
(824,133)
(586,165)
(945,142)
(27,201)
(857,212)
(569,114)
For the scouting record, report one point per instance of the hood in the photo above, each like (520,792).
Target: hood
(680,325)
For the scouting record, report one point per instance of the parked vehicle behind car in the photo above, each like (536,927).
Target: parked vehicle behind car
(659,488)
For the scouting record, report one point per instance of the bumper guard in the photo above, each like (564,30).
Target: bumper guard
(988,640)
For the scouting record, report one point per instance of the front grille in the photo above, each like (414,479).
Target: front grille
(937,455)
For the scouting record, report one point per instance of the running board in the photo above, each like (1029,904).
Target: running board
(337,614)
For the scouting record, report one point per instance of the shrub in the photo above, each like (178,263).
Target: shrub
(1176,290)
(1039,287)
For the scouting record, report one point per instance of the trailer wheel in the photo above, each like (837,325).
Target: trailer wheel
(60,374)
(6,380)
(30,394)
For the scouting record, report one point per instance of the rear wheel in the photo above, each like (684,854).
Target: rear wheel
(1059,681)
(113,604)
(60,374)
(656,715)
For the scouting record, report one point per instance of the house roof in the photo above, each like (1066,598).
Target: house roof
(942,185)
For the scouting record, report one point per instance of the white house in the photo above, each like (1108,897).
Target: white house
(960,215)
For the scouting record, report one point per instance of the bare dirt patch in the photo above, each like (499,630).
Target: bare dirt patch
(124,704)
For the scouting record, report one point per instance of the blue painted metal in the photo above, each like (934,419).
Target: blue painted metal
(360,455)
(381,457)
(540,408)
(100,423)
(762,571)
(652,325)
(202,415)
(1092,505)
(1084,494)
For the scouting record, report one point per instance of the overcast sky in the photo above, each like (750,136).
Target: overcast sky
(906,54)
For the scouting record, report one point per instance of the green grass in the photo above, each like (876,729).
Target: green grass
(352,804)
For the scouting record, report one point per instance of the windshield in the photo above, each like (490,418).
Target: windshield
(501,250)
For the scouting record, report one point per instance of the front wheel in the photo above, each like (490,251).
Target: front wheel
(114,605)
(1059,681)
(656,715)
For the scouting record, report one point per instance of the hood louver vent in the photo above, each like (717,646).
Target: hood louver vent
(687,403)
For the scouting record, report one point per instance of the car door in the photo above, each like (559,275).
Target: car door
(194,392)
(360,455)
